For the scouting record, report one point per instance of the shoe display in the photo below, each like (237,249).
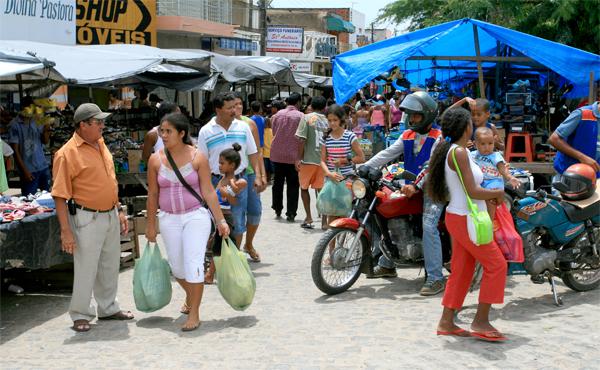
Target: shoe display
(433,287)
(381,272)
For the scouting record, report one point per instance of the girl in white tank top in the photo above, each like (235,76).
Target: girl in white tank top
(444,184)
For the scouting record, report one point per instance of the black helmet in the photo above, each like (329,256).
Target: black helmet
(420,102)
(577,182)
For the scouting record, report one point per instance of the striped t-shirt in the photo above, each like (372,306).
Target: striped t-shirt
(338,149)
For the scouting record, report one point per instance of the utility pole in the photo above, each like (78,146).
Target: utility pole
(262,4)
(372,32)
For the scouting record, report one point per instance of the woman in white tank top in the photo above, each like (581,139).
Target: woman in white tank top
(444,185)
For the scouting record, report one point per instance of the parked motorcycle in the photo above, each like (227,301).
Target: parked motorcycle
(559,240)
(382,219)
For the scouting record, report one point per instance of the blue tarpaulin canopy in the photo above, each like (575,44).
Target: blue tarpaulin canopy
(452,44)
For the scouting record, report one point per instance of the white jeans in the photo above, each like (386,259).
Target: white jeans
(185,236)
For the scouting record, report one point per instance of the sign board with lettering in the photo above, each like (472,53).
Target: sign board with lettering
(116,22)
(284,39)
(50,21)
(304,67)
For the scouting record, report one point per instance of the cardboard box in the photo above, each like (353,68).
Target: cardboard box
(134,157)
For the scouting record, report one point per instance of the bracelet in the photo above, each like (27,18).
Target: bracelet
(223,221)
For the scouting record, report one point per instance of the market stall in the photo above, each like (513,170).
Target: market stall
(516,71)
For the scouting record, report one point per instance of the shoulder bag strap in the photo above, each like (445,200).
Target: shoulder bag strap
(469,202)
(182,180)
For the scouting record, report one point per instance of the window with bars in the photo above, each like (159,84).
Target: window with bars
(219,11)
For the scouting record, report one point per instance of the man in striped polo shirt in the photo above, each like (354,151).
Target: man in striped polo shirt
(220,133)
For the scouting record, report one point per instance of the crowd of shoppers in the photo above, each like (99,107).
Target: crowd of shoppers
(220,180)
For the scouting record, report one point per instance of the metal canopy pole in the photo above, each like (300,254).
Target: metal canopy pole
(20,82)
(591,97)
(479,69)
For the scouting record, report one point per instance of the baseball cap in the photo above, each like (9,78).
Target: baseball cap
(89,110)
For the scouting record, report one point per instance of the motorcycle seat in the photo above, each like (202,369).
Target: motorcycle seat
(576,214)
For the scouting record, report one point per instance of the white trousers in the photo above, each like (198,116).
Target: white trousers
(96,260)
(185,236)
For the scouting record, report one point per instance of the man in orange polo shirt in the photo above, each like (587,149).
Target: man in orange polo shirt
(84,174)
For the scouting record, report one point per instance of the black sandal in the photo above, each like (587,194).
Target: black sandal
(307,225)
(81,326)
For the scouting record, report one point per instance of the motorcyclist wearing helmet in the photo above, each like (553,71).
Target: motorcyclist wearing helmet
(577,139)
(416,145)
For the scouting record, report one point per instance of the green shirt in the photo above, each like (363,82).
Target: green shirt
(249,169)
(3,182)
(311,129)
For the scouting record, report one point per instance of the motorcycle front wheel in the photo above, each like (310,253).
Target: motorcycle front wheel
(330,271)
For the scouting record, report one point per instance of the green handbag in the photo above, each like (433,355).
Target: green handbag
(479,223)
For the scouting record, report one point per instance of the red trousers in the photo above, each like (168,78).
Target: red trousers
(464,256)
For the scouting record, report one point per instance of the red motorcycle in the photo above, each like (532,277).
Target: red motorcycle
(383,221)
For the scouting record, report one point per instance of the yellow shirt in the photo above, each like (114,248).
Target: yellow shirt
(267,144)
(86,174)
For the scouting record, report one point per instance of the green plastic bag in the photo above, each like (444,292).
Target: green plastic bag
(234,277)
(151,280)
(335,199)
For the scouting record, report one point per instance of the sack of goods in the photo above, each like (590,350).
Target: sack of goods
(335,199)
(234,277)
(151,280)
(506,236)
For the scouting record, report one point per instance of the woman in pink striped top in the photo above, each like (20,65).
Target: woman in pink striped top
(185,222)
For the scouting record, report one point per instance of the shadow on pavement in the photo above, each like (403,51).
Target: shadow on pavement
(527,309)
(209,326)
(491,351)
(20,313)
(258,265)
(396,288)
(103,331)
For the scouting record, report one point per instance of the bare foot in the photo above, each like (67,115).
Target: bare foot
(192,323)
(482,327)
(448,327)
(209,278)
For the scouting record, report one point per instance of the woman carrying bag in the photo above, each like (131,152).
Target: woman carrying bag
(456,178)
(179,181)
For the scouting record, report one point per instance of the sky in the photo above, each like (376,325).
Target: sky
(370,8)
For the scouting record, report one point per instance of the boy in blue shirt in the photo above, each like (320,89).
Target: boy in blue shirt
(492,165)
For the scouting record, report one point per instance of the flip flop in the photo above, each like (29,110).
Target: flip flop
(456,332)
(307,225)
(81,326)
(185,309)
(489,336)
(121,315)
(254,256)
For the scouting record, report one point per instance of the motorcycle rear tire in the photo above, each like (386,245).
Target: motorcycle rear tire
(317,259)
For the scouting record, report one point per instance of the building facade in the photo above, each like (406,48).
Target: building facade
(327,32)
(228,27)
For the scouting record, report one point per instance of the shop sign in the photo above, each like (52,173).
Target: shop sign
(283,39)
(303,67)
(325,50)
(116,22)
(236,44)
(51,21)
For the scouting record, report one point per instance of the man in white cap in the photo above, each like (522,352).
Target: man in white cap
(90,216)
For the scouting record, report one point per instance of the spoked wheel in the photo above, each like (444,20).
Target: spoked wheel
(584,276)
(331,273)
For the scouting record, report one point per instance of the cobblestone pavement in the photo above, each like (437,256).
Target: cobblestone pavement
(377,324)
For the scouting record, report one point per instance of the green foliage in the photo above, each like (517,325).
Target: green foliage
(571,22)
